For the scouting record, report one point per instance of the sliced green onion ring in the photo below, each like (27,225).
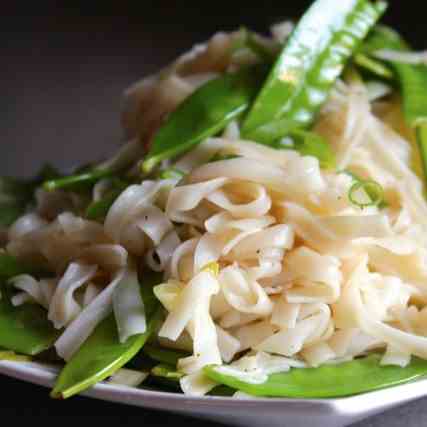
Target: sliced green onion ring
(171,173)
(373,190)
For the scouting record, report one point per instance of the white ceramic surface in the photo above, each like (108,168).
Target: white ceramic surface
(248,413)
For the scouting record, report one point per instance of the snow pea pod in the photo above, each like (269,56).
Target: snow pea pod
(164,356)
(205,113)
(166,375)
(344,379)
(312,144)
(413,83)
(305,142)
(273,131)
(10,211)
(25,329)
(99,209)
(252,42)
(383,37)
(16,194)
(99,357)
(311,61)
(13,357)
(11,266)
(412,79)
(102,354)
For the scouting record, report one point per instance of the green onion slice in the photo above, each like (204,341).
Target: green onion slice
(373,190)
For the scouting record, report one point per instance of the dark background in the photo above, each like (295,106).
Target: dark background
(64,65)
(62,71)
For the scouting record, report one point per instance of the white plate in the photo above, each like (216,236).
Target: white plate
(248,412)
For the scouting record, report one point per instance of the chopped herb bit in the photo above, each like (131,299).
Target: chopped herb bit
(75,182)
(171,173)
(371,189)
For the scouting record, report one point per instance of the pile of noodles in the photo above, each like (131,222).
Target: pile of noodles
(267,264)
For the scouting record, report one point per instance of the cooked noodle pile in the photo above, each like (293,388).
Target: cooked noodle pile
(267,263)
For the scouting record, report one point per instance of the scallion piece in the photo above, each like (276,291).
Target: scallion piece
(167,371)
(373,66)
(73,182)
(373,191)
(171,173)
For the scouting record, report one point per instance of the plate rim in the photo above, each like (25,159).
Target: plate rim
(365,404)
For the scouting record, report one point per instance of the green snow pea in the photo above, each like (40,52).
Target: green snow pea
(102,354)
(16,194)
(99,209)
(422,145)
(13,357)
(222,391)
(311,61)
(344,379)
(10,211)
(274,131)
(99,357)
(285,134)
(163,355)
(412,80)
(11,266)
(251,41)
(383,37)
(25,329)
(312,144)
(205,113)
(166,375)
